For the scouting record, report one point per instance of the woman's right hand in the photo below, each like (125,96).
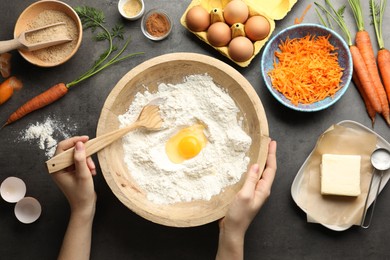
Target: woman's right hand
(76,181)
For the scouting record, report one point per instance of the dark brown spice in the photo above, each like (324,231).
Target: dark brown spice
(157,25)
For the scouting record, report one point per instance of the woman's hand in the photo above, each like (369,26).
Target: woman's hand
(245,207)
(77,185)
(76,181)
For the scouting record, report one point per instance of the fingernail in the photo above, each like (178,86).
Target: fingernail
(256,168)
(79,146)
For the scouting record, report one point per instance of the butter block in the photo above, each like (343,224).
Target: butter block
(340,175)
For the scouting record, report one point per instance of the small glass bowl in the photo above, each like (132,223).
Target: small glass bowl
(145,20)
(121,5)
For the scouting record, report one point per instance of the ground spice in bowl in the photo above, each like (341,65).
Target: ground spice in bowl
(57,53)
(156,24)
(132,7)
(43,13)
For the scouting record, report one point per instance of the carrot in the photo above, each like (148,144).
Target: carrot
(8,87)
(300,19)
(359,66)
(370,110)
(363,42)
(383,55)
(45,98)
(365,80)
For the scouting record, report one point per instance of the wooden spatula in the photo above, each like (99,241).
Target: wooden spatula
(149,118)
(21,42)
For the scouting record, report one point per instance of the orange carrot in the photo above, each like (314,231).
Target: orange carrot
(370,110)
(384,68)
(45,98)
(300,19)
(8,87)
(383,55)
(363,42)
(365,80)
(308,70)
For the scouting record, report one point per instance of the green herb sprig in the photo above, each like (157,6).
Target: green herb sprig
(94,19)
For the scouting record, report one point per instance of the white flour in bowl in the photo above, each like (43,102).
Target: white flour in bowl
(220,163)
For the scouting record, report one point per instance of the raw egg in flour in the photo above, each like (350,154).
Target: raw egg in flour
(186,144)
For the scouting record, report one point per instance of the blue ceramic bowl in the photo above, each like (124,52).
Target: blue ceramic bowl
(299,31)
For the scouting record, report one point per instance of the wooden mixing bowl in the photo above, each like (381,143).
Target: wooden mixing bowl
(172,68)
(33,11)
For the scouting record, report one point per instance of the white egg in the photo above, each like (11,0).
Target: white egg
(12,189)
(28,210)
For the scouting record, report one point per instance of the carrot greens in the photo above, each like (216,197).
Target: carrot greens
(94,19)
(378,11)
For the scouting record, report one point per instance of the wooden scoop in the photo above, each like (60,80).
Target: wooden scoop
(21,42)
(149,118)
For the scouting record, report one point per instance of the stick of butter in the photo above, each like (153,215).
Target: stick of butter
(340,175)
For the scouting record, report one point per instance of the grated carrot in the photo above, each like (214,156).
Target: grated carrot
(300,20)
(308,70)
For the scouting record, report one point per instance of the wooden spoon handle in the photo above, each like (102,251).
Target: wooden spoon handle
(6,46)
(65,159)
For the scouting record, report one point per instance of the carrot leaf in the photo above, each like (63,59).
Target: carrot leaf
(94,19)
(377,12)
(336,16)
(357,13)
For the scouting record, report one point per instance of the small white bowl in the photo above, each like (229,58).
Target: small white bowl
(28,210)
(121,8)
(12,189)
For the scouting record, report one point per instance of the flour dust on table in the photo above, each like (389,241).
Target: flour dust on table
(47,134)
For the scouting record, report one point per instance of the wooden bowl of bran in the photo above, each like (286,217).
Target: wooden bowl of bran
(172,69)
(47,12)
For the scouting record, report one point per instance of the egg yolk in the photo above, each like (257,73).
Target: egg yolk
(189,147)
(186,144)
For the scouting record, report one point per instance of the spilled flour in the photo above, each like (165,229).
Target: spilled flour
(47,134)
(219,164)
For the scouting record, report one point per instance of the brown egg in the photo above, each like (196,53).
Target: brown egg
(198,19)
(240,49)
(219,34)
(257,28)
(236,11)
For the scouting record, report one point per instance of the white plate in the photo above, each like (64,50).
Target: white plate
(295,187)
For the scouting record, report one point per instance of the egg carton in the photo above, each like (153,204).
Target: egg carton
(271,10)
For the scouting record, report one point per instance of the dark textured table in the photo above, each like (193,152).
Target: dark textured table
(279,231)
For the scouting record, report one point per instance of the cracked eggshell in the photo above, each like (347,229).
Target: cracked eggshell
(28,210)
(12,189)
